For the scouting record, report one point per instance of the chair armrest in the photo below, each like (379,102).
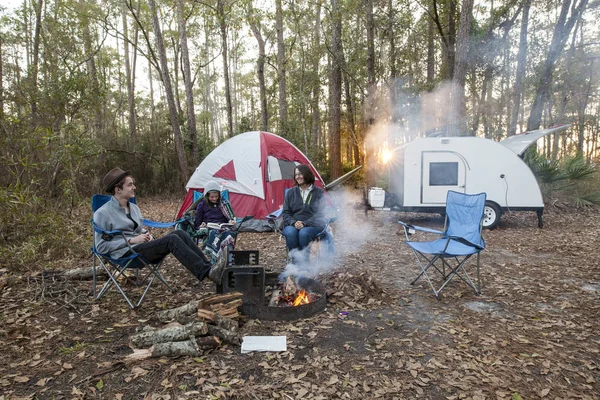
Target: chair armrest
(464,241)
(420,228)
(155,224)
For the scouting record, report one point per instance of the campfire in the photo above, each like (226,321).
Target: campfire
(290,294)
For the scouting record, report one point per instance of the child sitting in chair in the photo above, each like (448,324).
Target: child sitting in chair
(214,209)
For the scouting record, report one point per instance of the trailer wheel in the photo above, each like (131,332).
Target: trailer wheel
(491,215)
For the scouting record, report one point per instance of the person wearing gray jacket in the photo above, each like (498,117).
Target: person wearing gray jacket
(120,214)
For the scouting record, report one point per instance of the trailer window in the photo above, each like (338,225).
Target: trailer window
(443,174)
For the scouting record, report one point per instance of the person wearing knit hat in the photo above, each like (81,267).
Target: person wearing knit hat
(120,214)
(213,209)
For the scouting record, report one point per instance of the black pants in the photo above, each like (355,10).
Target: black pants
(182,247)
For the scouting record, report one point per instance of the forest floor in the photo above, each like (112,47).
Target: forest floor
(534,332)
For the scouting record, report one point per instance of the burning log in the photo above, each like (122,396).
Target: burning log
(289,286)
(275,296)
(192,347)
(169,334)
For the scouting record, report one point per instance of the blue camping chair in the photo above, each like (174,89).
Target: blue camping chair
(117,267)
(460,240)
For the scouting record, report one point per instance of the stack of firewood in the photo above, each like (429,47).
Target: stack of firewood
(191,329)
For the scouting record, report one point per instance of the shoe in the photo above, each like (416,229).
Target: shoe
(216,271)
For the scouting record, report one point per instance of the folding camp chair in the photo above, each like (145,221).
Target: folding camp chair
(324,239)
(188,222)
(460,240)
(116,268)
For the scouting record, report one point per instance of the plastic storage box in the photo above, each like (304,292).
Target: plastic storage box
(376,197)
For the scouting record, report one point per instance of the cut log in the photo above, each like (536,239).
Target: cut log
(192,347)
(232,305)
(231,337)
(219,298)
(275,298)
(179,312)
(82,273)
(171,334)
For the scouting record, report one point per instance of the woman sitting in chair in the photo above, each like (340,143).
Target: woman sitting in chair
(120,214)
(214,209)
(303,213)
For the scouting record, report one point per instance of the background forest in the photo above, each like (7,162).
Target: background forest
(154,86)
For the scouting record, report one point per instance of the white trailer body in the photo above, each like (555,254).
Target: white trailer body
(422,171)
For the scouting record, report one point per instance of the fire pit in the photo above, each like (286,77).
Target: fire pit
(266,298)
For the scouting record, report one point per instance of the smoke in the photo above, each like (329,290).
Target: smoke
(349,231)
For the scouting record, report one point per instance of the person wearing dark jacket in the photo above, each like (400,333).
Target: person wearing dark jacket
(213,208)
(303,213)
(120,214)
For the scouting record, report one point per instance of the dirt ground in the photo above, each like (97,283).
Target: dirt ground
(533,333)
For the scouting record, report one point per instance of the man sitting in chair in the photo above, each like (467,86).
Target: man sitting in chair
(120,214)
(303,213)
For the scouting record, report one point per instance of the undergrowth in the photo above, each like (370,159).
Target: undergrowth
(35,230)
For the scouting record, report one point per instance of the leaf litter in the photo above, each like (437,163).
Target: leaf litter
(533,333)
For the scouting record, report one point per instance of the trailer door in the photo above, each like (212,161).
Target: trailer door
(442,171)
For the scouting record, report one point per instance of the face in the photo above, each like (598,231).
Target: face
(128,190)
(213,197)
(298,177)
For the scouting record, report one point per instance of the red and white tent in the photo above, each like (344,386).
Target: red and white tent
(256,168)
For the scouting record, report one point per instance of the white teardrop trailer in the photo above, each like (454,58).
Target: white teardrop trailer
(422,171)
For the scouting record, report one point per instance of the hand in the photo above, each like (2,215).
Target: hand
(232,221)
(202,225)
(299,225)
(143,238)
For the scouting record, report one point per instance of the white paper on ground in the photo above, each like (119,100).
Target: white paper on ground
(263,343)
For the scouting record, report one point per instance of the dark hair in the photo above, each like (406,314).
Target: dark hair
(307,174)
(120,183)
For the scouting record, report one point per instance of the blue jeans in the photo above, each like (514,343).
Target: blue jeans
(299,239)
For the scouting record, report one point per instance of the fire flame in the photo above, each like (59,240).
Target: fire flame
(301,298)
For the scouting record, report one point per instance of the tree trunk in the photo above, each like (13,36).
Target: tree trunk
(164,72)
(315,124)
(33,76)
(561,32)
(371,90)
(456,123)
(187,79)
(260,67)
(225,49)
(430,53)
(128,77)
(521,66)
(281,73)
(335,162)
(1,84)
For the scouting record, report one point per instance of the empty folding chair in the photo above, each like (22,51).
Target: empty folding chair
(117,268)
(460,240)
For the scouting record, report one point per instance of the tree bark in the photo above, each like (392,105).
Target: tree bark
(281,70)
(164,72)
(315,123)
(187,79)
(225,49)
(128,76)
(335,162)
(33,75)
(456,123)
(260,68)
(521,67)
(561,32)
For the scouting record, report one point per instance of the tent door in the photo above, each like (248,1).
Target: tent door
(441,171)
